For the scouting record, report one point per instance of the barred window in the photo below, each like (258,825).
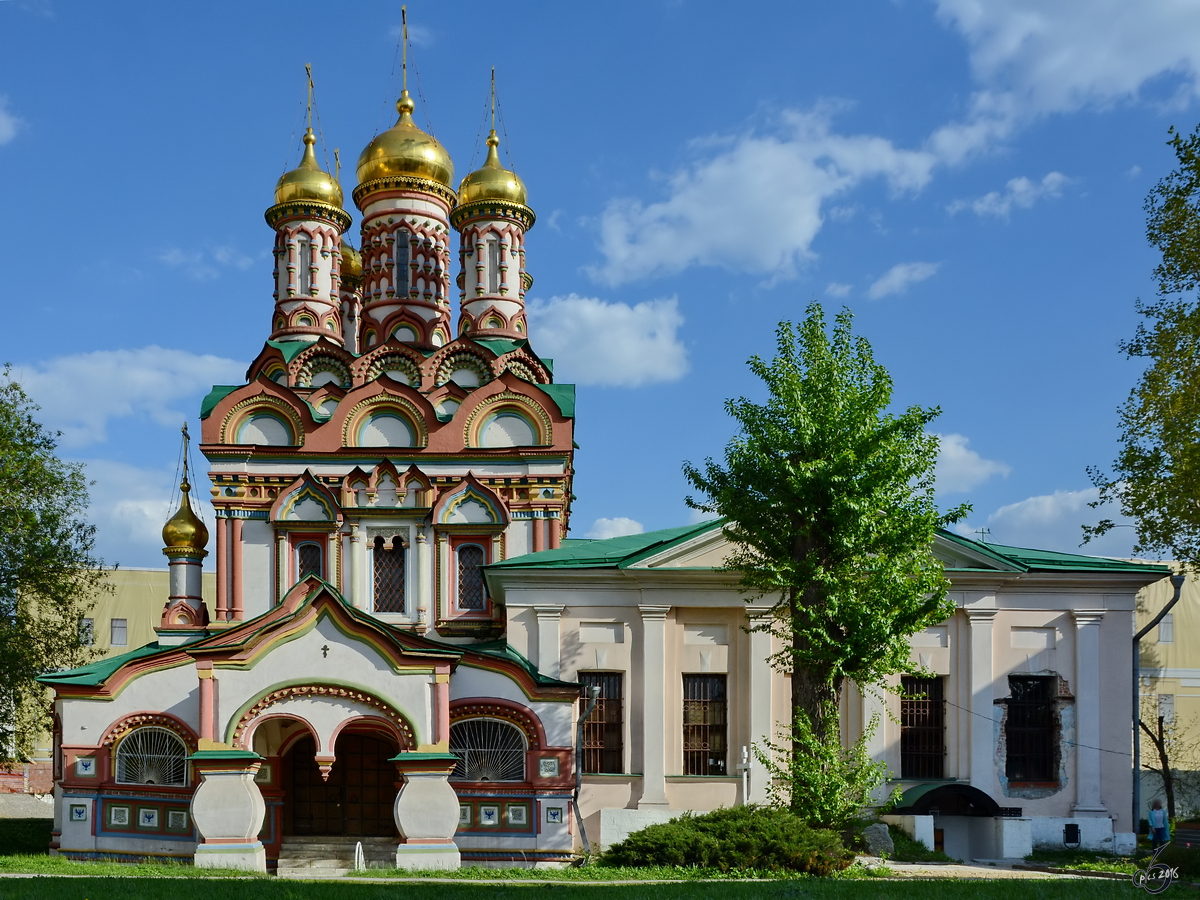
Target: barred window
(470,578)
(487,750)
(304,246)
(389,576)
(604,730)
(704,725)
(493,265)
(152,756)
(402,263)
(922,728)
(309,561)
(1030,732)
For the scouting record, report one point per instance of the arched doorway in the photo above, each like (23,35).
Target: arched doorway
(356,800)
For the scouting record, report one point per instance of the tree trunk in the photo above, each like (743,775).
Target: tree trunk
(1168,777)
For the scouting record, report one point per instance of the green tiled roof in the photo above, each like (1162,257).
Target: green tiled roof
(500,346)
(563,395)
(94,673)
(218,393)
(290,349)
(1052,561)
(501,650)
(612,553)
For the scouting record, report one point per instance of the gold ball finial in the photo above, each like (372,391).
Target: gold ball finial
(185,530)
(405,105)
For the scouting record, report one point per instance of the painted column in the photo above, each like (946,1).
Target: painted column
(423,577)
(539,534)
(222,569)
(443,558)
(555,532)
(281,573)
(761,724)
(549,644)
(441,699)
(236,571)
(1087,712)
(983,766)
(426,811)
(352,567)
(654,709)
(227,810)
(204,671)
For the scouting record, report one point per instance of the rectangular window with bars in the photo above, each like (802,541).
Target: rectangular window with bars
(1030,730)
(388,565)
(704,725)
(922,728)
(472,596)
(604,729)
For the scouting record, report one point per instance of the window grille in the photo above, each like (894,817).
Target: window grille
(118,632)
(922,728)
(402,264)
(152,756)
(604,730)
(470,577)
(309,561)
(1030,729)
(704,724)
(487,750)
(389,576)
(493,266)
(305,266)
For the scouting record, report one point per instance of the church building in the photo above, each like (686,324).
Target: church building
(403,641)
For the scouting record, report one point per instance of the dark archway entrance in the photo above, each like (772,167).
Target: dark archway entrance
(357,799)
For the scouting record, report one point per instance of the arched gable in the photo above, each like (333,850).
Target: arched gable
(496,708)
(240,422)
(307,501)
(510,403)
(360,430)
(472,506)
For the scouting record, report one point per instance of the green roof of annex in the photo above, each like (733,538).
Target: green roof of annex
(622,552)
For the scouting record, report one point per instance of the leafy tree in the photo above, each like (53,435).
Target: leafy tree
(829,502)
(1156,475)
(49,576)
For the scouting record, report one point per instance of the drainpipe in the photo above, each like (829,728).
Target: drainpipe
(1177,581)
(594,692)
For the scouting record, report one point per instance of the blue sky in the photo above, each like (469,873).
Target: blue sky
(966,176)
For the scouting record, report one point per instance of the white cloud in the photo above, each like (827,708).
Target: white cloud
(9,123)
(593,342)
(897,279)
(1055,522)
(205,265)
(603,529)
(129,507)
(79,394)
(1033,58)
(959,468)
(1019,192)
(418,35)
(837,290)
(753,204)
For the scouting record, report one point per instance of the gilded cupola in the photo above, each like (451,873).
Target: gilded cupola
(184,532)
(308,181)
(405,150)
(492,181)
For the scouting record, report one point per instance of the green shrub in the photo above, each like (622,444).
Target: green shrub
(25,836)
(740,837)
(909,850)
(1177,856)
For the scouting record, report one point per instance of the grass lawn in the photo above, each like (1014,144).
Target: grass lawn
(51,888)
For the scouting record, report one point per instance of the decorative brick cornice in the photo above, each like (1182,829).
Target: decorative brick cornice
(332,692)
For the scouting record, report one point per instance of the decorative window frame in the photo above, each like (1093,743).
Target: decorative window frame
(297,541)
(318,363)
(463,359)
(262,404)
(457,543)
(394,360)
(387,403)
(508,402)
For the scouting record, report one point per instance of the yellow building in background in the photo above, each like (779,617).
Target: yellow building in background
(1170,687)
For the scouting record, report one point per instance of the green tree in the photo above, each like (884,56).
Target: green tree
(1155,478)
(49,577)
(829,505)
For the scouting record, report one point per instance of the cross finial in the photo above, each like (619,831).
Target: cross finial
(983,533)
(308,73)
(337,165)
(493,98)
(187,440)
(404,42)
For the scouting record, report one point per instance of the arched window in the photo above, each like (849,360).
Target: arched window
(487,750)
(310,560)
(493,265)
(389,576)
(402,263)
(304,246)
(508,430)
(152,756)
(385,430)
(470,577)
(264,429)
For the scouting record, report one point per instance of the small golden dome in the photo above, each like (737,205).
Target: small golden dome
(405,149)
(492,181)
(351,261)
(307,181)
(185,530)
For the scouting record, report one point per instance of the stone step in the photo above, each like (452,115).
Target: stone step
(288,872)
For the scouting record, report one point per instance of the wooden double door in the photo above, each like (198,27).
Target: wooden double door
(356,800)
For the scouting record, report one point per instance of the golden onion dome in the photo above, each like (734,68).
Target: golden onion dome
(492,181)
(351,261)
(307,181)
(405,149)
(185,530)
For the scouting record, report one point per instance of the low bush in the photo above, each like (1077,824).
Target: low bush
(25,836)
(1179,856)
(909,850)
(740,837)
